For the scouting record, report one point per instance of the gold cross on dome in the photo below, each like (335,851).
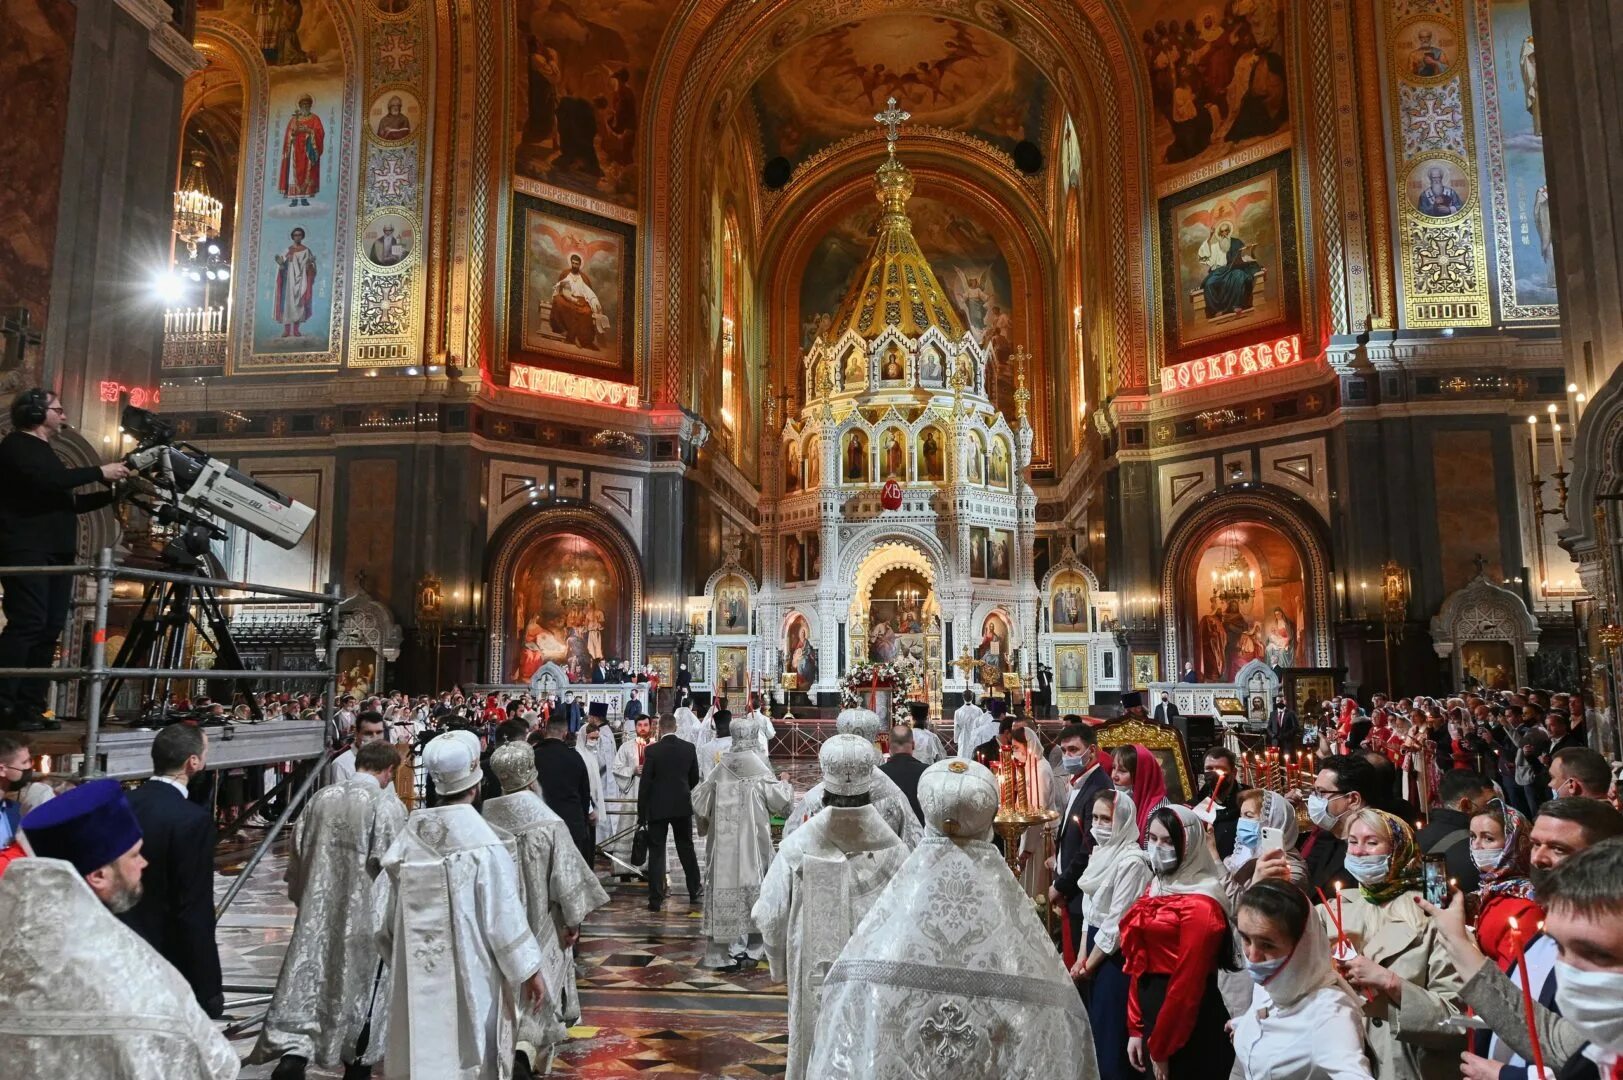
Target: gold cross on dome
(891,119)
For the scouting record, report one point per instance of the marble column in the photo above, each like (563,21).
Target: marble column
(114,226)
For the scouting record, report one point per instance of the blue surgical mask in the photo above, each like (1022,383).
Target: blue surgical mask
(1263,970)
(1248,831)
(1072,764)
(1369,869)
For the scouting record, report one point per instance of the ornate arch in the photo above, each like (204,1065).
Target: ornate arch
(1293,518)
(515,535)
(918,538)
(1082,49)
(1483,611)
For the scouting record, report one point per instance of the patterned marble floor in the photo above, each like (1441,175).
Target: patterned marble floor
(648,1007)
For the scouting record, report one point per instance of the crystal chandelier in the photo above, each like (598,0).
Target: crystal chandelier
(1236,582)
(574,591)
(197,212)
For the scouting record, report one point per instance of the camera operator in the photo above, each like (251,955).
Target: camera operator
(37,510)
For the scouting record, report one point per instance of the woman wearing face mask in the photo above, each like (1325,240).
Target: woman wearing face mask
(1261,809)
(1501,848)
(1117,874)
(1304,1022)
(1393,954)
(1028,756)
(1173,940)
(1136,772)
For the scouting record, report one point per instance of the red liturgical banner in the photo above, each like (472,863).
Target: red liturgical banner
(1233,364)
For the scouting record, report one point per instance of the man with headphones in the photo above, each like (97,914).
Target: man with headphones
(37,511)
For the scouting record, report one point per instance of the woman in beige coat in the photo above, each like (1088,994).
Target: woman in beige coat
(1391,953)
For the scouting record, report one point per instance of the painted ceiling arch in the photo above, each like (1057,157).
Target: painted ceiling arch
(717,51)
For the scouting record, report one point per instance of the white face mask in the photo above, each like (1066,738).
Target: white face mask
(1101,834)
(1163,860)
(1486,858)
(1589,999)
(1369,869)
(1318,811)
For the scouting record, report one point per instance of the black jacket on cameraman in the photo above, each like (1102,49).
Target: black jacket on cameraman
(37,503)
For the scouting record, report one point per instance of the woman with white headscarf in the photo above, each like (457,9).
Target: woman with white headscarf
(1039,783)
(1173,940)
(1117,874)
(1304,1022)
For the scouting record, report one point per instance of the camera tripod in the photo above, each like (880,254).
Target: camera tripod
(169,611)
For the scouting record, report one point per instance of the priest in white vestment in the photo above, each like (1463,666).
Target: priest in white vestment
(927,746)
(765,729)
(733,808)
(333,980)
(964,722)
(888,799)
(826,876)
(450,918)
(83,995)
(687,724)
(951,974)
(560,890)
(624,779)
(719,742)
(586,746)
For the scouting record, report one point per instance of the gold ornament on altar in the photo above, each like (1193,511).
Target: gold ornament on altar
(1017,810)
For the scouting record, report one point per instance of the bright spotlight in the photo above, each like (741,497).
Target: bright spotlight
(168,287)
(225,274)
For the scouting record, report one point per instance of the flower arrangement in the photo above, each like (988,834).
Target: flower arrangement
(905,677)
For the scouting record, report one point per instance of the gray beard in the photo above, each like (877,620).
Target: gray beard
(124,899)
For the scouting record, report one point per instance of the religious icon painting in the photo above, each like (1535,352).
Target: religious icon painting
(1488,664)
(1071,668)
(1439,186)
(665,667)
(1426,49)
(388,240)
(999,554)
(812,462)
(732,606)
(893,455)
(814,556)
(978,538)
(854,455)
(792,467)
(977,460)
(1146,669)
(394,115)
(1069,606)
(932,463)
(572,294)
(1230,267)
(794,560)
(799,652)
(997,465)
(732,669)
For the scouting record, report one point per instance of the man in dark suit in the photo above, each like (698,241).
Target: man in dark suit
(1166,710)
(571,712)
(566,785)
(1190,675)
(1284,729)
(1086,776)
(176,911)
(904,768)
(670,772)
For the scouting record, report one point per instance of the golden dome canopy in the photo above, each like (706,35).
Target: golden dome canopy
(894,286)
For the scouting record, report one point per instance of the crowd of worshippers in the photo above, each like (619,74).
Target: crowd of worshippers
(1221,936)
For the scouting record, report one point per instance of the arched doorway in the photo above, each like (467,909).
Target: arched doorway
(895,612)
(565,590)
(1244,579)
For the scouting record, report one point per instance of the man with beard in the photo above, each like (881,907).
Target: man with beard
(86,996)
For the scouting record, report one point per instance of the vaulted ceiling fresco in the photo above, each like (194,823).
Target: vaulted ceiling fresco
(946,73)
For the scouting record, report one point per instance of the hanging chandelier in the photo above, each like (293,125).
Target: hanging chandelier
(197,211)
(1236,582)
(574,591)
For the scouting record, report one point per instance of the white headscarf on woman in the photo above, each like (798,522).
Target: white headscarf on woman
(1308,968)
(1123,843)
(1197,871)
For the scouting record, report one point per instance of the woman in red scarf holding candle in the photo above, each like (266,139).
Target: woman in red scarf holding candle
(1501,846)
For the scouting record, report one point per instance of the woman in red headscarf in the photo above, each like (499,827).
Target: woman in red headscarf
(1136,771)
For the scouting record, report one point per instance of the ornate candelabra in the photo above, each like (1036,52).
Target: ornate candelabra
(1016,811)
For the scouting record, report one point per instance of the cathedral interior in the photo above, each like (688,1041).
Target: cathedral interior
(786,347)
(582,329)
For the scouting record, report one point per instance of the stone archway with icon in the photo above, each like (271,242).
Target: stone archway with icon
(1486,633)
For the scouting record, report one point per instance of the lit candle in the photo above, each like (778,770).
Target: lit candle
(1527,998)
(1578,407)
(1555,431)
(1572,400)
(1532,440)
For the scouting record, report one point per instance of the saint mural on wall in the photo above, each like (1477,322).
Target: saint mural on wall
(732,606)
(855,457)
(1249,601)
(574,291)
(993,649)
(564,608)
(1070,603)
(800,655)
(932,463)
(899,609)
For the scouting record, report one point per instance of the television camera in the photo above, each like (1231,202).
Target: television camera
(195,495)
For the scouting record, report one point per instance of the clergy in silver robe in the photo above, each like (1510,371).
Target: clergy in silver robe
(450,918)
(559,891)
(81,994)
(624,778)
(927,745)
(733,808)
(687,724)
(596,748)
(888,799)
(950,973)
(825,877)
(333,976)
(715,739)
